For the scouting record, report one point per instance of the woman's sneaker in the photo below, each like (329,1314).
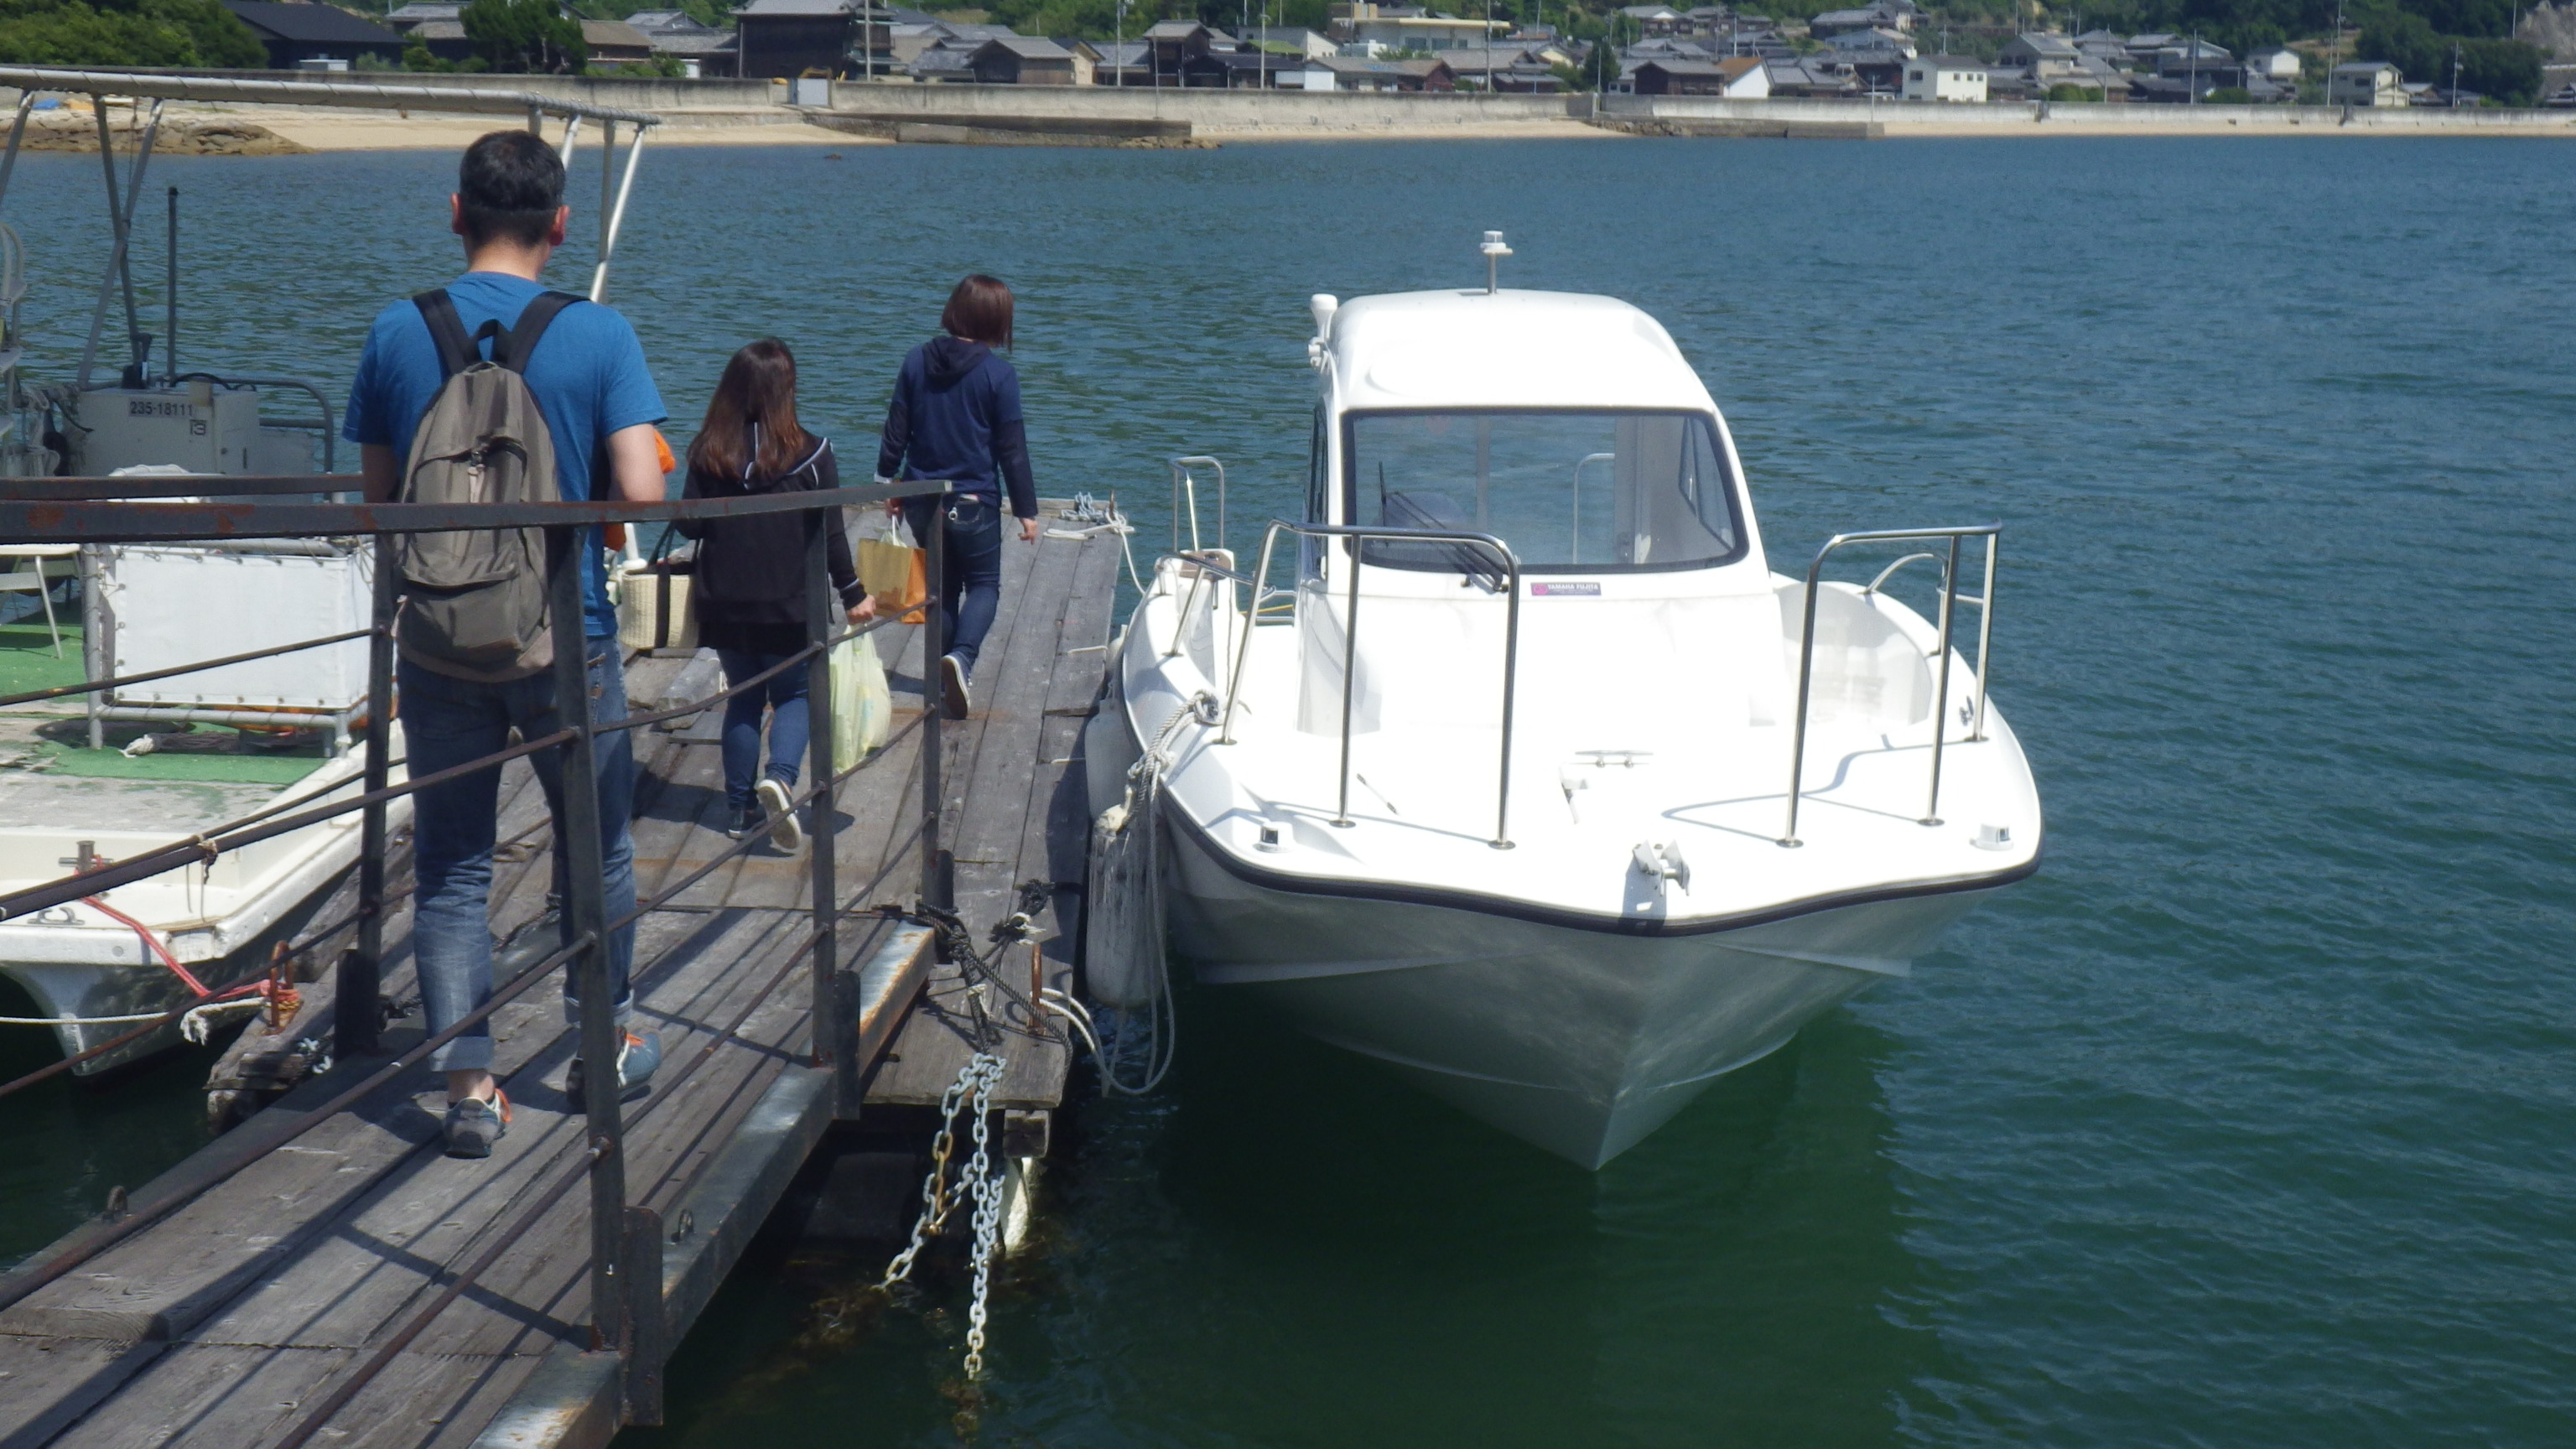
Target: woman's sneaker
(955,701)
(750,820)
(474,1124)
(638,1057)
(784,832)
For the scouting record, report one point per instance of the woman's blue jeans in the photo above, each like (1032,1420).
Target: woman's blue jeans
(972,567)
(785,695)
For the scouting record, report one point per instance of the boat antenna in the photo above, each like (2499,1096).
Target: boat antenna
(1494,251)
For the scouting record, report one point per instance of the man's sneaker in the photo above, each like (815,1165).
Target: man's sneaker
(748,821)
(473,1125)
(784,832)
(638,1057)
(954,700)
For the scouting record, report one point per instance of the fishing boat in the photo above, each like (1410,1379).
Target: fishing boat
(1513,764)
(174,751)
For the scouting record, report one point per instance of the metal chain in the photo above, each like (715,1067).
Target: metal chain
(934,1195)
(986,1189)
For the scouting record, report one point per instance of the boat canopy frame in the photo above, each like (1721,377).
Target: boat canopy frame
(98,85)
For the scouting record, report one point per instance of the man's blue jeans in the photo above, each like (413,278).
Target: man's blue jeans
(446,722)
(784,694)
(971,569)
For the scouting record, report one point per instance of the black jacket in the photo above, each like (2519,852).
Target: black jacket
(751,571)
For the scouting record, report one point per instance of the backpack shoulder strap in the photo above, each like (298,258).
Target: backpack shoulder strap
(456,351)
(512,352)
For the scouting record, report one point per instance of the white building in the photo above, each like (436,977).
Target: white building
(1418,32)
(1945,78)
(2365,83)
(2274,62)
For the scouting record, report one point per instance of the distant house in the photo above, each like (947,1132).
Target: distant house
(2040,52)
(1742,78)
(1414,30)
(1945,78)
(614,42)
(701,49)
(1182,53)
(404,18)
(1086,58)
(1517,69)
(1293,40)
(1351,73)
(2365,83)
(2103,45)
(1791,78)
(1887,15)
(1852,44)
(318,35)
(2275,62)
(1653,19)
(2190,57)
(1121,63)
(1020,60)
(787,38)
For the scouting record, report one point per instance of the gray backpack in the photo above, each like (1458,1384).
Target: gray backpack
(474,602)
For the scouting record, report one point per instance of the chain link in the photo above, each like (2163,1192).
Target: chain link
(977,1185)
(986,1189)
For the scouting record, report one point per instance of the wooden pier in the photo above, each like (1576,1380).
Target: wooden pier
(329,1276)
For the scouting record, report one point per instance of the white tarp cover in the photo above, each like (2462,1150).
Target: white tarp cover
(174,604)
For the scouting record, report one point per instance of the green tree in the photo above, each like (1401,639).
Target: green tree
(525,36)
(195,33)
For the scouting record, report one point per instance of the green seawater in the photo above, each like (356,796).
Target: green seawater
(2250,1121)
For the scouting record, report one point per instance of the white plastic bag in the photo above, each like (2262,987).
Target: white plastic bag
(862,705)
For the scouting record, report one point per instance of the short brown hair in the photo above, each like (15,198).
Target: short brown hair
(979,311)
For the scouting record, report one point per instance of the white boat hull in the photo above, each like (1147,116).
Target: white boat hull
(1580,1041)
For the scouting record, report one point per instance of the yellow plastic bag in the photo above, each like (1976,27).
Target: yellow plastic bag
(890,569)
(862,705)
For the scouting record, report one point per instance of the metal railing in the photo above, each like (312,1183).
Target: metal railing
(1350,643)
(1186,484)
(626,1239)
(1992,533)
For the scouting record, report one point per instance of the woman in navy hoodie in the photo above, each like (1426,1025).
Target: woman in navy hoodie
(956,415)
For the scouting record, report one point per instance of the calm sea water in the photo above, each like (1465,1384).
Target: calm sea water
(2248,1122)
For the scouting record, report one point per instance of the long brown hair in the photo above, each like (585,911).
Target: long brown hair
(979,311)
(758,387)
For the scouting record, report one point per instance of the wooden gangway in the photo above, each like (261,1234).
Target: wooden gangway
(357,1287)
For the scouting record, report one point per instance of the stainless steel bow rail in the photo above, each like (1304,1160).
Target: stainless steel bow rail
(1486,542)
(1984,602)
(625,1247)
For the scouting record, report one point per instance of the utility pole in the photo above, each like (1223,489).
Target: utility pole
(2191,87)
(2455,75)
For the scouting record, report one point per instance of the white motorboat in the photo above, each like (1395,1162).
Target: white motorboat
(1536,783)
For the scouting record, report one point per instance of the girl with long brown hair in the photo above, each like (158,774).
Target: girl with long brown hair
(750,583)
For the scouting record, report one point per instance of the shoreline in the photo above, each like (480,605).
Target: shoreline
(735,113)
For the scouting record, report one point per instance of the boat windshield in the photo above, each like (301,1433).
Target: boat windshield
(1589,492)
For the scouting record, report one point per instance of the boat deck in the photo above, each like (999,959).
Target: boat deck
(231,1320)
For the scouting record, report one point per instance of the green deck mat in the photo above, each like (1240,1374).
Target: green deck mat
(259,769)
(27,654)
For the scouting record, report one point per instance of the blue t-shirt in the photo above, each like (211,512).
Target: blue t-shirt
(588,376)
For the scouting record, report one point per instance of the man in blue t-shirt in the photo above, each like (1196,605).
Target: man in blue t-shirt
(589,379)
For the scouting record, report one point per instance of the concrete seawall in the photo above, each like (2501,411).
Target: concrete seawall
(1713,116)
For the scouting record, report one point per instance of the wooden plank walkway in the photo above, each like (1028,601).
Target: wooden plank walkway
(225,1322)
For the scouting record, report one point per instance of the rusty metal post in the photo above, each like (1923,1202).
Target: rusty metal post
(585,906)
(830,1032)
(357,1012)
(938,868)
(646,1345)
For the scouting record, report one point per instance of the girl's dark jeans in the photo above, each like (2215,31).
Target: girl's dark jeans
(784,693)
(972,588)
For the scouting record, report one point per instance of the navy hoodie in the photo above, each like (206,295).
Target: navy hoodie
(956,415)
